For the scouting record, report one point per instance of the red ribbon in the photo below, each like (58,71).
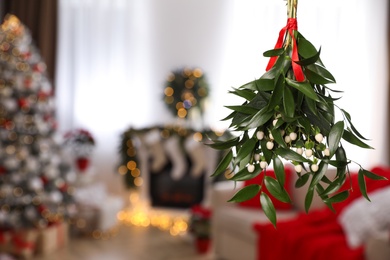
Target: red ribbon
(291,26)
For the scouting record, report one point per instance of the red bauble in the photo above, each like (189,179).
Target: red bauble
(82,163)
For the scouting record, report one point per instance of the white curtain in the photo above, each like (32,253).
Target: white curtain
(114,56)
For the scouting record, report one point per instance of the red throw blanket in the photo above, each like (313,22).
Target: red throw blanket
(316,235)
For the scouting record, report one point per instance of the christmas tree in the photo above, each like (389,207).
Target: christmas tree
(34,181)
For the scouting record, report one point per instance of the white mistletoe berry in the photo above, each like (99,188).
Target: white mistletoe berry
(250,168)
(263,164)
(270,145)
(319,137)
(299,150)
(314,167)
(260,135)
(308,152)
(293,136)
(257,157)
(298,168)
(327,152)
(287,139)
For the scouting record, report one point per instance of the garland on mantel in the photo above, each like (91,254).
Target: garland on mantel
(289,116)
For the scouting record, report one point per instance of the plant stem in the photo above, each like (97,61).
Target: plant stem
(291,13)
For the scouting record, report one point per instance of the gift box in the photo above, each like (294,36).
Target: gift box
(52,238)
(20,243)
(85,221)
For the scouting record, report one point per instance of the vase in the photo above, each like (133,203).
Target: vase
(202,245)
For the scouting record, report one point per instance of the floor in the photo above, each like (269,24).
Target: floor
(130,243)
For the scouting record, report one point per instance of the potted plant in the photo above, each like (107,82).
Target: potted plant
(199,227)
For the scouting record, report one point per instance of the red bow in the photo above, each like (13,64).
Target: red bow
(290,27)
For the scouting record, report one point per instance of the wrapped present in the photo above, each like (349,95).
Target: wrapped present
(102,217)
(85,221)
(5,241)
(108,212)
(20,243)
(53,237)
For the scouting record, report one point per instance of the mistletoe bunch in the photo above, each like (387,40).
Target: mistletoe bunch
(288,115)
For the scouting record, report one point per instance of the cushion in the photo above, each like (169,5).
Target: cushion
(363,219)
(255,201)
(352,185)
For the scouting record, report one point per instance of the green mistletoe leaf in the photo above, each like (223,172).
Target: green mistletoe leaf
(317,176)
(305,48)
(268,154)
(278,137)
(319,75)
(244,174)
(274,52)
(341,157)
(362,184)
(310,60)
(309,199)
(249,86)
(277,94)
(339,197)
(302,180)
(246,193)
(223,164)
(290,155)
(334,137)
(351,138)
(354,130)
(372,175)
(334,186)
(288,103)
(311,104)
(276,189)
(224,145)
(243,109)
(304,87)
(279,170)
(244,93)
(281,66)
(246,149)
(268,208)
(336,163)
(260,118)
(264,84)
(230,116)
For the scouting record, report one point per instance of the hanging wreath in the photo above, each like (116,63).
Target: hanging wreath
(289,116)
(185,90)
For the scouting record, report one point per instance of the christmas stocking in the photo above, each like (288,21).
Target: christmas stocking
(196,152)
(179,164)
(156,151)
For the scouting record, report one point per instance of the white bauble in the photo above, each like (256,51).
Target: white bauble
(56,197)
(35,184)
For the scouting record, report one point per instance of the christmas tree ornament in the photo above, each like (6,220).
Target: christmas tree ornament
(288,117)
